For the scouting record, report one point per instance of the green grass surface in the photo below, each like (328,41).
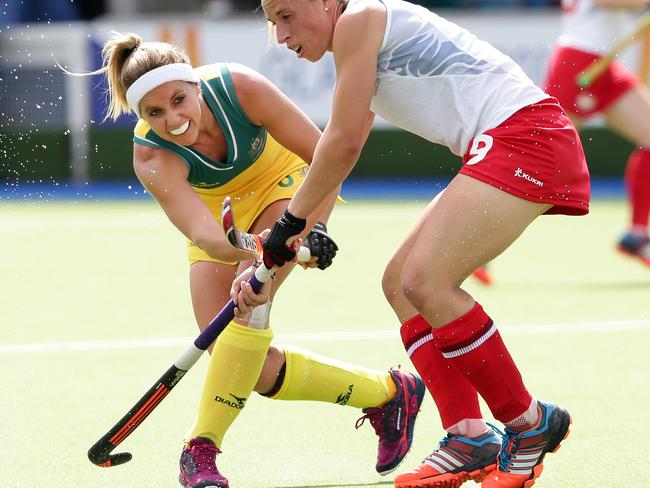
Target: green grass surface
(117,272)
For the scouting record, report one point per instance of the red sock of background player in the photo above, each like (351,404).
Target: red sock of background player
(637,180)
(474,346)
(455,397)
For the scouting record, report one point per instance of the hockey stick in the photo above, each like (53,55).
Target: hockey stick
(245,241)
(100,452)
(598,67)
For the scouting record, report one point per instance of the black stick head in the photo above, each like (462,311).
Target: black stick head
(100,455)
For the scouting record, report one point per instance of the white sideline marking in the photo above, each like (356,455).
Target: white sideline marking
(343,336)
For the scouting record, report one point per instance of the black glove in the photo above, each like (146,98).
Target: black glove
(276,252)
(321,245)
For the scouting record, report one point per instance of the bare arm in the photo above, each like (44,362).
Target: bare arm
(164,175)
(266,105)
(356,43)
(331,200)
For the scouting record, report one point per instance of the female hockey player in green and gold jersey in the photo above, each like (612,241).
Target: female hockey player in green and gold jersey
(225,130)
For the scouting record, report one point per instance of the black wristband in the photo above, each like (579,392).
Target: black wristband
(294,222)
(276,252)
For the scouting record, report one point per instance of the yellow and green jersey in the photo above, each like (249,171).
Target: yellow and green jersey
(258,170)
(246,140)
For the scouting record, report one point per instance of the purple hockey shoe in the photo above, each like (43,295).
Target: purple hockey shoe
(197,465)
(394,421)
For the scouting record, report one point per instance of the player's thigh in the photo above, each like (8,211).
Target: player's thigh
(269,215)
(471,224)
(393,271)
(210,289)
(630,116)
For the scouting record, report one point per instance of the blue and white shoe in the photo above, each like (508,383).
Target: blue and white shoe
(521,455)
(456,459)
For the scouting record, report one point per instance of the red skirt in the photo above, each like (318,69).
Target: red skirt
(536,154)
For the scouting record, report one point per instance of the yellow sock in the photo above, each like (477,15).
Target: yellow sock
(235,365)
(309,376)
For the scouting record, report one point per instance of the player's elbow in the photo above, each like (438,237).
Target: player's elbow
(352,148)
(214,246)
(347,148)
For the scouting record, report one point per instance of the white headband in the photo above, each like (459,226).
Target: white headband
(156,77)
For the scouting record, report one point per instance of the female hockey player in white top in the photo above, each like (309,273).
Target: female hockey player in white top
(522,158)
(590,29)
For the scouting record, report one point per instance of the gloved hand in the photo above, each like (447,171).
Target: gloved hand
(321,245)
(276,252)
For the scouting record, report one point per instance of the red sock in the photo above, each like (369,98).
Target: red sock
(637,180)
(455,397)
(473,344)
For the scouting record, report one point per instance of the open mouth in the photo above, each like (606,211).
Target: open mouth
(181,130)
(297,48)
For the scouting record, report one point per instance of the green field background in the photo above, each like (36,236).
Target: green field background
(99,277)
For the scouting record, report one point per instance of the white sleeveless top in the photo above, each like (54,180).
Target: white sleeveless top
(588,27)
(438,81)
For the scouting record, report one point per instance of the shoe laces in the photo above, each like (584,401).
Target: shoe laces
(509,447)
(203,457)
(375,416)
(383,420)
(445,440)
(441,445)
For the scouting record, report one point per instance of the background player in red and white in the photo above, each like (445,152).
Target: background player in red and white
(522,158)
(590,28)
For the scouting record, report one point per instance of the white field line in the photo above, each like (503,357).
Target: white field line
(344,336)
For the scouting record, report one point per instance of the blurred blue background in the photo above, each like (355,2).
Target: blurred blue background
(54,139)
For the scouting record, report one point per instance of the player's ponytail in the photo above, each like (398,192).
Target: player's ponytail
(127,58)
(115,54)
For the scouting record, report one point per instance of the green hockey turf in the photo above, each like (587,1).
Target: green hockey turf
(95,307)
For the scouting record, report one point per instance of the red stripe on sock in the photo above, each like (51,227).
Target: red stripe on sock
(455,397)
(637,180)
(489,367)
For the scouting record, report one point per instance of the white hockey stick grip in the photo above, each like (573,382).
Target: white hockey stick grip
(263,274)
(303,254)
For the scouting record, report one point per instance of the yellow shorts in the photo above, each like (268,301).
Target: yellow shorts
(251,192)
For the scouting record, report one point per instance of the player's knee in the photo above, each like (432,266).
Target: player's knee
(414,286)
(272,374)
(390,282)
(273,365)
(275,355)
(425,285)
